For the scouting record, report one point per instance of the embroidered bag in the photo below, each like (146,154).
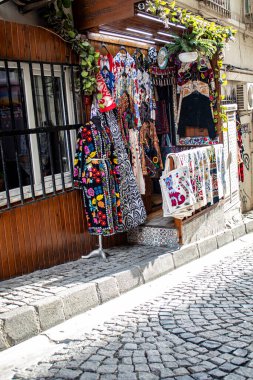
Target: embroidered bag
(178,197)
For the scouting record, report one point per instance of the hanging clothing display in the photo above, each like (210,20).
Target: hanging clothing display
(126,117)
(240,148)
(195,108)
(151,159)
(136,159)
(106,102)
(96,170)
(125,75)
(207,173)
(107,70)
(200,71)
(133,210)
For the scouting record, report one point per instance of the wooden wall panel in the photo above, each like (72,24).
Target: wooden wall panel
(46,233)
(90,13)
(34,43)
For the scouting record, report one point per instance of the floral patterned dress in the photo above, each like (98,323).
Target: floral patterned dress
(96,172)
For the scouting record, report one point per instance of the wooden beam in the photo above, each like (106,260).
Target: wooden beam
(91,13)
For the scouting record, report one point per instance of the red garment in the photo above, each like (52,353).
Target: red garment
(105,100)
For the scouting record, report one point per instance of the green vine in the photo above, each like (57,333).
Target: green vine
(59,19)
(212,36)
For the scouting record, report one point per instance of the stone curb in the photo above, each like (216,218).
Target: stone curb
(27,321)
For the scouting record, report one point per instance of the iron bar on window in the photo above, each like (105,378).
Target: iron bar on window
(48,122)
(47,88)
(14,125)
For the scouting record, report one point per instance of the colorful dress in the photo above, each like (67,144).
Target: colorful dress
(96,172)
(133,209)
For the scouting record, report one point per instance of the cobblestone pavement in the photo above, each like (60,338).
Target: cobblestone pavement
(27,289)
(201,328)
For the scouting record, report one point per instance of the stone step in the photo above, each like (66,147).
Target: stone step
(155,236)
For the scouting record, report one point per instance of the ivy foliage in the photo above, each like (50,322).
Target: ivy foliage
(59,18)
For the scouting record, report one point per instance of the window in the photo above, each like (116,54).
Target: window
(40,109)
(221,7)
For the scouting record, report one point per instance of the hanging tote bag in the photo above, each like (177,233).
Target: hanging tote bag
(177,192)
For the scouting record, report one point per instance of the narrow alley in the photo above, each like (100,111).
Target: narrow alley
(194,323)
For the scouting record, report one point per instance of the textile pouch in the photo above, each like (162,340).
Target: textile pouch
(177,192)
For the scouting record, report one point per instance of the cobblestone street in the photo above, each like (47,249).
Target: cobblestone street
(200,328)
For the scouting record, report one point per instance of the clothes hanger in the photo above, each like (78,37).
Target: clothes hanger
(103,45)
(122,47)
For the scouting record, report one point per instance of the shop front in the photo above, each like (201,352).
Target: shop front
(159,97)
(146,156)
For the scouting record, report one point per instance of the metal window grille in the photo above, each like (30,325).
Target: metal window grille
(40,110)
(222,7)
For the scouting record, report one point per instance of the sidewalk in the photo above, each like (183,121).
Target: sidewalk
(33,303)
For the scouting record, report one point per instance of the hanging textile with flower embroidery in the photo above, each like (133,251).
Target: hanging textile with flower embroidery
(126,118)
(151,159)
(96,171)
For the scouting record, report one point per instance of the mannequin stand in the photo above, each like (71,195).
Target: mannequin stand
(98,252)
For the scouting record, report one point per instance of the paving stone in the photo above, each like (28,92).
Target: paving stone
(181,371)
(201,328)
(69,373)
(217,373)
(106,369)
(244,371)
(127,376)
(141,368)
(239,361)
(240,352)
(89,376)
(147,376)
(227,367)
(90,366)
(234,376)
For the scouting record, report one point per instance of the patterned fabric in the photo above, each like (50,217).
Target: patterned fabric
(198,141)
(207,173)
(161,118)
(177,192)
(213,174)
(133,209)
(240,148)
(96,170)
(136,159)
(125,75)
(106,65)
(126,117)
(105,100)
(106,61)
(201,71)
(151,160)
